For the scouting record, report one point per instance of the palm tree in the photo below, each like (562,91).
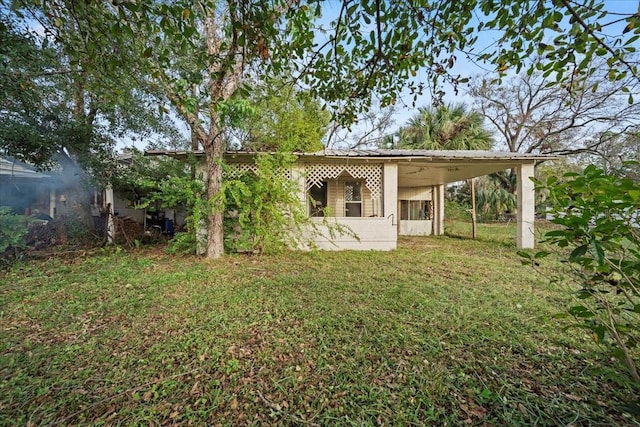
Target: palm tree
(495,194)
(447,127)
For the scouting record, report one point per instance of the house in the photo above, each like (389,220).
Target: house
(382,194)
(25,190)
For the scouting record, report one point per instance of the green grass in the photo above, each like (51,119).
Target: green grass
(442,331)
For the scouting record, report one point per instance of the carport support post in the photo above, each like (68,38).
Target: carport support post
(110,225)
(438,210)
(525,238)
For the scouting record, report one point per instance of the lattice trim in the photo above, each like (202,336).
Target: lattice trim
(371,174)
(235,170)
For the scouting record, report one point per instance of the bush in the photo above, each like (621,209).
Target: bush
(456,210)
(13,232)
(263,212)
(600,243)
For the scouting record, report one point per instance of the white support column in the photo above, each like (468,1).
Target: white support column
(390,191)
(297,176)
(438,210)
(390,200)
(52,202)
(525,238)
(108,201)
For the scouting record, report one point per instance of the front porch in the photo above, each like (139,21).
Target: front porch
(383,194)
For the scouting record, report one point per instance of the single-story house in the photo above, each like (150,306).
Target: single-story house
(25,190)
(382,194)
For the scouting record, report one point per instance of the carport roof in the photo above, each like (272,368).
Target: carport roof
(415,167)
(433,154)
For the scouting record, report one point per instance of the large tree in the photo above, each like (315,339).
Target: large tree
(369,48)
(57,112)
(532,114)
(282,117)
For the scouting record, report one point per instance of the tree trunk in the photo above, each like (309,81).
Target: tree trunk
(224,81)
(215,218)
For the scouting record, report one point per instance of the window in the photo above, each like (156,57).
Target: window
(415,210)
(318,199)
(353,198)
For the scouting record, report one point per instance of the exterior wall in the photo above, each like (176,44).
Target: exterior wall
(417,227)
(374,234)
(122,208)
(415,193)
(376,229)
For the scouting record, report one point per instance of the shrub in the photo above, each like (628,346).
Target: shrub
(13,232)
(600,243)
(263,212)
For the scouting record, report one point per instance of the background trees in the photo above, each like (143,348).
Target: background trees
(587,117)
(58,112)
(533,114)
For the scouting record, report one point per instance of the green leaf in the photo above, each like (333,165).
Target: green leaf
(580,311)
(598,251)
(524,254)
(578,252)
(541,254)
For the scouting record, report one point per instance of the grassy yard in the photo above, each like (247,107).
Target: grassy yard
(443,331)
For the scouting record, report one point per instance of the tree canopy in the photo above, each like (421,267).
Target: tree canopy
(283,118)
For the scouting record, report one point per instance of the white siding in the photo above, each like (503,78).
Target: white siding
(415,193)
(416,228)
(374,233)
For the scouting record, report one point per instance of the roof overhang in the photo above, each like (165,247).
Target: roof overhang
(18,170)
(415,167)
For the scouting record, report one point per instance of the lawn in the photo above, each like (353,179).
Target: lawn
(442,331)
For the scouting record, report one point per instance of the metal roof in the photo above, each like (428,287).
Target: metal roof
(16,169)
(383,153)
(434,154)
